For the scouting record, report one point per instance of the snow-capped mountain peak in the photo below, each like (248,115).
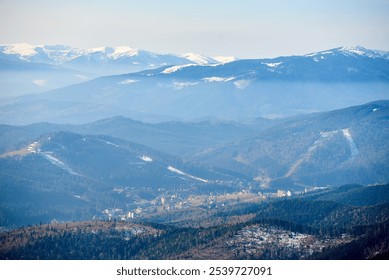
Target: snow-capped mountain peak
(355,49)
(225,59)
(61,65)
(22,50)
(361,51)
(112,53)
(199,59)
(96,50)
(123,51)
(55,54)
(61,54)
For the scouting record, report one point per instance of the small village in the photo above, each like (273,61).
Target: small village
(170,201)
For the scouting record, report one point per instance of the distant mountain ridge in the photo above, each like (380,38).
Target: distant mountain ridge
(75,57)
(60,54)
(336,65)
(330,148)
(73,175)
(238,90)
(176,138)
(44,167)
(193,157)
(26,68)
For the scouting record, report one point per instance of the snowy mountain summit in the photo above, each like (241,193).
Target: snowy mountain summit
(29,68)
(354,50)
(69,56)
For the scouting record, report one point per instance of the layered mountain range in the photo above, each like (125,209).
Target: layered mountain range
(240,90)
(148,135)
(67,56)
(25,68)
(106,164)
(337,147)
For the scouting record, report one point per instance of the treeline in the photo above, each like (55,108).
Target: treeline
(77,244)
(180,243)
(327,213)
(373,244)
(80,246)
(367,224)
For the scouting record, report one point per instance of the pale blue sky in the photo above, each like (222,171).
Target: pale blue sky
(244,28)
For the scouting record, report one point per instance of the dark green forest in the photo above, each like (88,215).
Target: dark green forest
(330,227)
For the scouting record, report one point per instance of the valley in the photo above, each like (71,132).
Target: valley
(195,158)
(284,228)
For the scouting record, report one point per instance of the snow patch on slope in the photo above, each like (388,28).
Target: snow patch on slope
(173,69)
(109,143)
(218,79)
(128,82)
(275,64)
(350,140)
(324,136)
(33,148)
(319,54)
(242,84)
(59,163)
(177,171)
(146,158)
(40,83)
(181,85)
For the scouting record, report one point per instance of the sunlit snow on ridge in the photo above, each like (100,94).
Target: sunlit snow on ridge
(275,64)
(354,49)
(197,58)
(22,49)
(225,59)
(94,50)
(173,69)
(123,51)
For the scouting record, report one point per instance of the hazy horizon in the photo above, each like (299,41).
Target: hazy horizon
(248,29)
